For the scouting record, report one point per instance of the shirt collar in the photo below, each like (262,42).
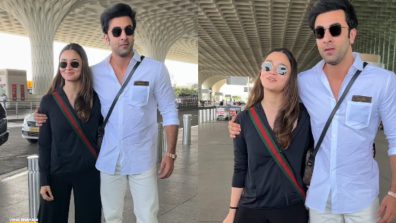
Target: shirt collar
(357,64)
(135,58)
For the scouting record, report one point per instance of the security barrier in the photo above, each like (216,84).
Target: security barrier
(34,185)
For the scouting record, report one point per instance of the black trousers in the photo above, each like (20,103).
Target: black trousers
(293,214)
(86,191)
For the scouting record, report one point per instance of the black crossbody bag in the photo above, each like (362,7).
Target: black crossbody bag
(310,160)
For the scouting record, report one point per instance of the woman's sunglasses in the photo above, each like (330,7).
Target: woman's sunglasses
(116,31)
(335,30)
(74,64)
(280,69)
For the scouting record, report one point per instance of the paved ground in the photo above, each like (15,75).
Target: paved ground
(195,193)
(13,153)
(216,166)
(178,194)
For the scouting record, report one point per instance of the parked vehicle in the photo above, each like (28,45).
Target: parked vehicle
(226,112)
(222,113)
(234,110)
(4,133)
(30,130)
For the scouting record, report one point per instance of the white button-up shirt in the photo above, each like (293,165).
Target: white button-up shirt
(131,132)
(344,167)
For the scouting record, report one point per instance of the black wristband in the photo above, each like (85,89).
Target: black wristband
(233,207)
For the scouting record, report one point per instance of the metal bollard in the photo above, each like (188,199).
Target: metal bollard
(34,185)
(204,115)
(207,115)
(213,114)
(187,129)
(200,116)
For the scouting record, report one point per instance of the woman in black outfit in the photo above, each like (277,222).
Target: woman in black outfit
(65,162)
(261,192)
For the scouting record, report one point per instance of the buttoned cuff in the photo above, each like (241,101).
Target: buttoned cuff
(170,120)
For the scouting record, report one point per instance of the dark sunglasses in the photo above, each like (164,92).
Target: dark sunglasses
(267,66)
(116,31)
(74,64)
(335,30)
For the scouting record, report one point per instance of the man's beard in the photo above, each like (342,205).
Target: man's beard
(127,52)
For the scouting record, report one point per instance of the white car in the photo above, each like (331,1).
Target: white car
(30,130)
(222,113)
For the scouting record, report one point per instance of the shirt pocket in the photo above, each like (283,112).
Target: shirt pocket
(358,114)
(139,95)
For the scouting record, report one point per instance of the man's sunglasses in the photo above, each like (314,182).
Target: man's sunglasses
(116,31)
(335,30)
(74,64)
(281,69)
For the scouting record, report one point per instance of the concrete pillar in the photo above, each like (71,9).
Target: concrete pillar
(157,36)
(41,19)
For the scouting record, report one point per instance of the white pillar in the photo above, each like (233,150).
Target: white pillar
(158,36)
(41,19)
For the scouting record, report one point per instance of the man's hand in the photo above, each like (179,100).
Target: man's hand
(234,129)
(387,211)
(46,193)
(166,168)
(40,118)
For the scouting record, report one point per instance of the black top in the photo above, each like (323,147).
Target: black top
(61,151)
(265,185)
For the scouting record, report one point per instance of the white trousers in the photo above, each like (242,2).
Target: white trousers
(144,191)
(367,215)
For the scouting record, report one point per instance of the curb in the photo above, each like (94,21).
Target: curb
(14,119)
(12,173)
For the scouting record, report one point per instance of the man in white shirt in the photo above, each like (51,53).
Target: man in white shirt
(128,152)
(345,182)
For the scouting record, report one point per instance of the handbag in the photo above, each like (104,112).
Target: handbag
(74,122)
(101,129)
(311,153)
(275,152)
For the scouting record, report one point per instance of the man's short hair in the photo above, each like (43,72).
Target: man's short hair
(322,6)
(117,10)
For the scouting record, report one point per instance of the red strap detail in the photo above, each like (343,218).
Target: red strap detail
(281,161)
(74,124)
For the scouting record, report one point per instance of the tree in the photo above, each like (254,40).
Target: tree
(180,91)
(236,98)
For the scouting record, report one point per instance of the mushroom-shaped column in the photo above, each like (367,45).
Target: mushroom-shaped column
(41,19)
(156,36)
(161,26)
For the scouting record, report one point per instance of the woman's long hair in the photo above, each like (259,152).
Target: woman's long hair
(84,101)
(290,109)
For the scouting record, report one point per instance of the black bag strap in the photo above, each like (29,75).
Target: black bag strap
(74,123)
(121,90)
(327,125)
(276,153)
